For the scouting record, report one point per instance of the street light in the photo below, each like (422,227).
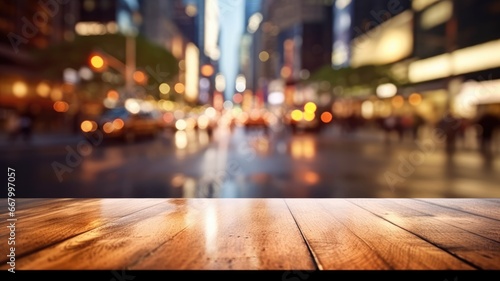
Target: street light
(100,60)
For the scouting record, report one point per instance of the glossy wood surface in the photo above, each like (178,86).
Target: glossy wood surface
(248,234)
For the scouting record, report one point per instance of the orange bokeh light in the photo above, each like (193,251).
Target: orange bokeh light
(207,70)
(88,126)
(118,124)
(61,106)
(398,101)
(326,117)
(179,88)
(415,99)
(113,95)
(139,77)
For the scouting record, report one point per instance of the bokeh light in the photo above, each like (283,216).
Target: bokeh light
(61,106)
(397,101)
(326,117)
(415,99)
(179,88)
(97,62)
(164,88)
(297,115)
(88,126)
(19,89)
(310,107)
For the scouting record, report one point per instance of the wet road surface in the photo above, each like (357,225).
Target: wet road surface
(252,164)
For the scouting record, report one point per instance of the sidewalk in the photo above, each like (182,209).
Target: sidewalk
(467,144)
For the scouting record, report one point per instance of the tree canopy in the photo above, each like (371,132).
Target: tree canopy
(154,60)
(369,76)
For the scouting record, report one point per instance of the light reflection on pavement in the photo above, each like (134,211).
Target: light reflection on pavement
(253,164)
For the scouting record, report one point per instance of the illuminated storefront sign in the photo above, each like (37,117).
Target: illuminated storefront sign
(390,42)
(476,58)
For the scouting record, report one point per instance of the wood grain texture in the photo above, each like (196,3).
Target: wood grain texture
(480,225)
(331,241)
(27,203)
(399,248)
(250,234)
(487,208)
(476,250)
(46,224)
(235,234)
(118,242)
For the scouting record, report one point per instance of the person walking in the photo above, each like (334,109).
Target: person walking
(418,123)
(488,123)
(449,125)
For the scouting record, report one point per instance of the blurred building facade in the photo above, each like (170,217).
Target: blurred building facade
(456,55)
(297,39)
(436,49)
(27,25)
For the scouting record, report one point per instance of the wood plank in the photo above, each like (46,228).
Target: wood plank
(236,234)
(477,206)
(118,242)
(25,203)
(399,248)
(44,225)
(26,207)
(485,227)
(40,208)
(475,249)
(332,242)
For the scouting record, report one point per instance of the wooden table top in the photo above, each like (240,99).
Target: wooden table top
(260,234)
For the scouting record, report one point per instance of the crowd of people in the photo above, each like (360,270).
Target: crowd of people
(451,128)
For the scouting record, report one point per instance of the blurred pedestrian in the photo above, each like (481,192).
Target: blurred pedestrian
(418,122)
(406,122)
(13,125)
(461,135)
(26,125)
(488,123)
(390,124)
(450,126)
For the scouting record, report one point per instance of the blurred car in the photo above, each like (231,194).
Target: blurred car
(303,125)
(307,118)
(119,123)
(255,120)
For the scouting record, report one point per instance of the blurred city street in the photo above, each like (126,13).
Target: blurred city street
(250,99)
(252,164)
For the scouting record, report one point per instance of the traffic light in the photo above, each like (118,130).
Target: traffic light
(97,62)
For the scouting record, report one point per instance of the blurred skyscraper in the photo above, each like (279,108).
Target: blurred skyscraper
(231,15)
(168,24)
(250,45)
(297,39)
